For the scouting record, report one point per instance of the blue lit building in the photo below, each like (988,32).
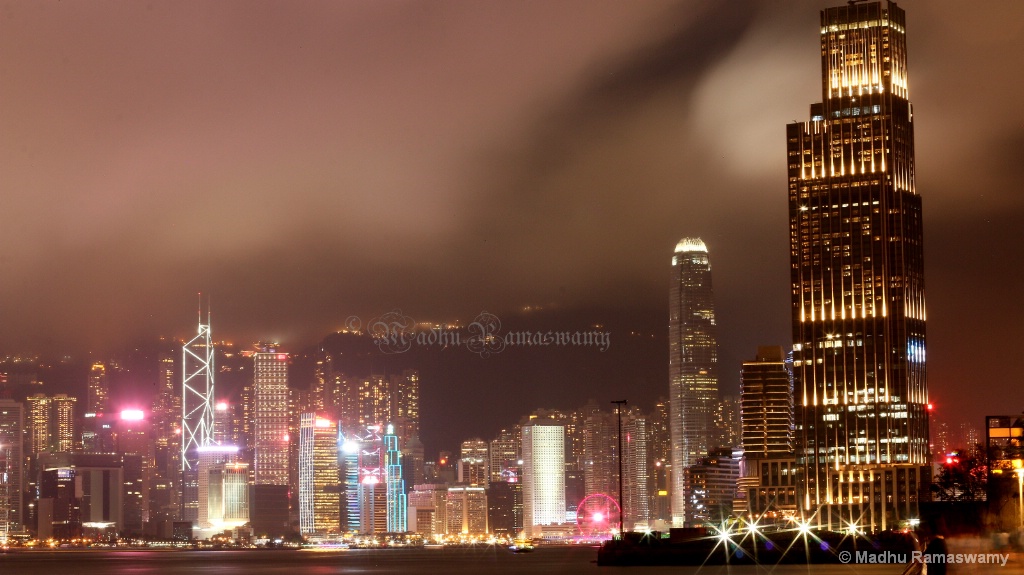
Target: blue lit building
(395,484)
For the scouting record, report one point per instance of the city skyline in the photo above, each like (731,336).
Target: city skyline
(180,189)
(478,407)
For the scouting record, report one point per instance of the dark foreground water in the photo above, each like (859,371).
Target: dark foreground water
(485,560)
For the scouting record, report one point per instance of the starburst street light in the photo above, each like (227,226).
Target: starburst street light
(804,527)
(853,528)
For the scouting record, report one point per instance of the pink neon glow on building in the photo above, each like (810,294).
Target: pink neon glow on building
(132,415)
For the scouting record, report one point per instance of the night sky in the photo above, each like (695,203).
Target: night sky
(303,162)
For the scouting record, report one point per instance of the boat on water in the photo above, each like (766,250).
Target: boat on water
(521,547)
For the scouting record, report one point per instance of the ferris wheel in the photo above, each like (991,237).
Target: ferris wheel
(597,515)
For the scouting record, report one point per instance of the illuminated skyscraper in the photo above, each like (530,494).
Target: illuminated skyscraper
(766,399)
(505,507)
(659,462)
(600,454)
(466,510)
(197,390)
(210,457)
(242,419)
(223,423)
(858,303)
(473,462)
(711,488)
(349,462)
(39,418)
(728,428)
(319,497)
(374,399)
(372,493)
(51,423)
(397,514)
(636,501)
(601,463)
(98,392)
(693,354)
(166,417)
(270,418)
(133,440)
(543,476)
(428,504)
(405,405)
(63,423)
(504,454)
(228,498)
(12,470)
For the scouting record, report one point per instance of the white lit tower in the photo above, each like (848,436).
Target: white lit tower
(197,412)
(693,358)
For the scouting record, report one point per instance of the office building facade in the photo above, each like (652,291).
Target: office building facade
(319,476)
(766,405)
(693,358)
(543,476)
(857,266)
(12,465)
(270,417)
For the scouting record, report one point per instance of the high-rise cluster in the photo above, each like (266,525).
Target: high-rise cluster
(833,432)
(837,432)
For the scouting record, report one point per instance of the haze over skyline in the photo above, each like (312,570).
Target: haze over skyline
(306,162)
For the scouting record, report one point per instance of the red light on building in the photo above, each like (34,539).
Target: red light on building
(930,407)
(282,357)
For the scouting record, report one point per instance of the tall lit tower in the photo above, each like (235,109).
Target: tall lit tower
(395,484)
(857,270)
(270,415)
(543,476)
(196,412)
(473,462)
(319,478)
(12,421)
(693,354)
(166,492)
(99,389)
(64,422)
